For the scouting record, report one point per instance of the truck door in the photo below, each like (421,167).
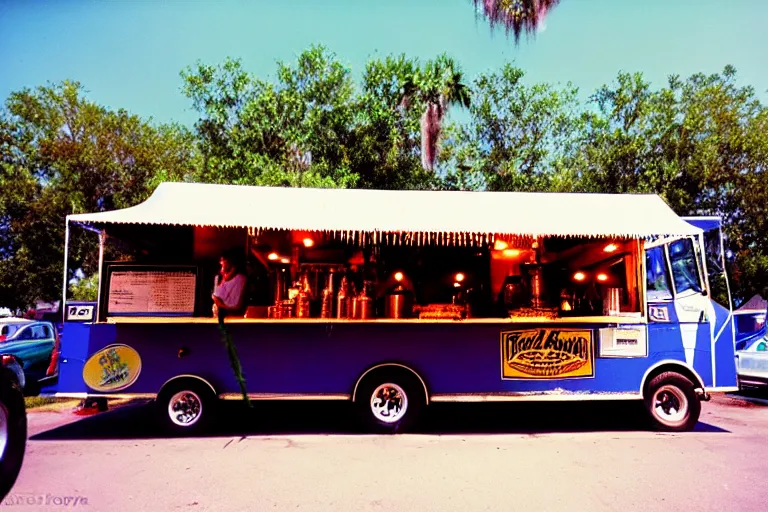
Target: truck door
(679,309)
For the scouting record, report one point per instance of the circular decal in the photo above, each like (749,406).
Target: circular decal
(112,368)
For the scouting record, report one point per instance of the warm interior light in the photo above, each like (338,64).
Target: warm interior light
(459,277)
(308,242)
(456,285)
(398,276)
(602,277)
(610,247)
(273,256)
(285,260)
(511,253)
(579,276)
(500,245)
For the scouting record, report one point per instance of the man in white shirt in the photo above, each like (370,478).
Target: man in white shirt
(229,289)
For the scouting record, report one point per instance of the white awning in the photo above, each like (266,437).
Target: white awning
(370,211)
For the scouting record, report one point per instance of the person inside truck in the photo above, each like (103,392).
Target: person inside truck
(230,286)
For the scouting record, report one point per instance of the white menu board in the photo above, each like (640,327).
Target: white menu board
(151,292)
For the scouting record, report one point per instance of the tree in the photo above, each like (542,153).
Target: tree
(385,138)
(516,16)
(294,132)
(61,154)
(519,137)
(434,89)
(701,144)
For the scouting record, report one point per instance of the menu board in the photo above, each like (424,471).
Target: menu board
(151,292)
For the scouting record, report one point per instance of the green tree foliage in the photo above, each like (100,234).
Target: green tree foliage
(294,132)
(61,154)
(519,137)
(387,129)
(700,142)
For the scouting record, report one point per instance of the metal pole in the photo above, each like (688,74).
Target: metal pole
(66,281)
(102,238)
(725,271)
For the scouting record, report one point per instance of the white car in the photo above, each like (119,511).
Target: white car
(752,364)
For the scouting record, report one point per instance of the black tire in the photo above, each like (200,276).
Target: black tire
(672,403)
(401,413)
(15,425)
(197,397)
(18,372)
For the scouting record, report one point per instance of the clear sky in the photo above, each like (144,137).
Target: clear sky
(128,53)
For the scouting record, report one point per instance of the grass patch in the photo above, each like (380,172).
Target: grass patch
(32,402)
(45,403)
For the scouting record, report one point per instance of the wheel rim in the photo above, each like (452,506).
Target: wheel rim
(670,405)
(185,408)
(389,403)
(3,430)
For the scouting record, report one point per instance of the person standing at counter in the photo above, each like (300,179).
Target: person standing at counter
(229,287)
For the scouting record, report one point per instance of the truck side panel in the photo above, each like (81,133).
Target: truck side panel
(316,358)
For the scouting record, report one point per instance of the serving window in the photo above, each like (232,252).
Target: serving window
(353,276)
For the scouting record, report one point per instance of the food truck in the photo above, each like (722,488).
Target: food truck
(395,300)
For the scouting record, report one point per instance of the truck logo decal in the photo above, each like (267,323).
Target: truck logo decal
(658,313)
(547,354)
(113,368)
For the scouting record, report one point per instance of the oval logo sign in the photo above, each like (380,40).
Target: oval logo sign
(112,368)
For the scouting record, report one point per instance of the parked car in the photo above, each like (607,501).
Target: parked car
(750,327)
(30,349)
(752,364)
(13,431)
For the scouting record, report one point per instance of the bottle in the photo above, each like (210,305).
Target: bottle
(341,299)
(326,307)
(303,298)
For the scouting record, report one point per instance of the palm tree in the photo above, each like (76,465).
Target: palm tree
(517,16)
(437,86)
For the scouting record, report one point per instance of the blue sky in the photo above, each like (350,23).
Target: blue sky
(128,53)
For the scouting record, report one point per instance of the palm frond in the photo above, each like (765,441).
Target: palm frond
(516,16)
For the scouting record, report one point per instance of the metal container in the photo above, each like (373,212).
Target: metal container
(341,300)
(399,304)
(353,307)
(538,298)
(287,309)
(326,307)
(364,307)
(514,292)
(612,301)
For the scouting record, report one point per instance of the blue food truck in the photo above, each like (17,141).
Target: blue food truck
(395,300)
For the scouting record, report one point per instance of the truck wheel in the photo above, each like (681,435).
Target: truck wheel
(390,401)
(13,431)
(186,407)
(672,403)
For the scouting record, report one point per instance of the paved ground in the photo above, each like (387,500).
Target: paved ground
(520,457)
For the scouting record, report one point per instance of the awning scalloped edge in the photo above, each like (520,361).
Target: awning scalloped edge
(395,237)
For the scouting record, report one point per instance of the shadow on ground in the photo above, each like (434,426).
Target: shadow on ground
(136,421)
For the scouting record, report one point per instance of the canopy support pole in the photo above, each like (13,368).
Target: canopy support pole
(102,237)
(66,281)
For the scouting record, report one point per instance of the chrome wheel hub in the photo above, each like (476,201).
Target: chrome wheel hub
(389,403)
(185,408)
(670,405)
(3,430)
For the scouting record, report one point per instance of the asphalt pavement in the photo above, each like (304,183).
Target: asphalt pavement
(310,456)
